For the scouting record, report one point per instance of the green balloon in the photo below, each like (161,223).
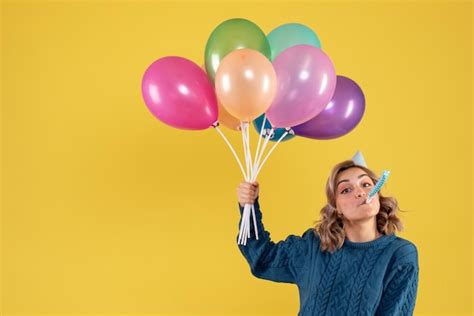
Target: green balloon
(231,35)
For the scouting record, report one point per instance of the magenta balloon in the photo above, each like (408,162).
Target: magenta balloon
(178,93)
(306,82)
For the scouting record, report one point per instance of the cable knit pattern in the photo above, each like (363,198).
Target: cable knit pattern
(367,266)
(378,277)
(326,283)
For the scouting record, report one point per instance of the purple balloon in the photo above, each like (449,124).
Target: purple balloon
(179,93)
(341,114)
(306,82)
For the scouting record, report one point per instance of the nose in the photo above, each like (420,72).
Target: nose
(361,193)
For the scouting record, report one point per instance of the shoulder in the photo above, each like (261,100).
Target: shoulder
(404,251)
(310,233)
(304,242)
(311,236)
(308,236)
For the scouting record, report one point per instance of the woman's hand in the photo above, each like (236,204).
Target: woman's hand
(247,192)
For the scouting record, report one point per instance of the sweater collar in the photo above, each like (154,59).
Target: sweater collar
(381,241)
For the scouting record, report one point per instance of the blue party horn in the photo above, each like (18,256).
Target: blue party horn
(378,186)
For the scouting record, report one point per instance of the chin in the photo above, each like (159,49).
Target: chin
(361,219)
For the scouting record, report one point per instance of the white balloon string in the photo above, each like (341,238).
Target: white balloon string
(249,150)
(267,138)
(253,178)
(242,224)
(254,222)
(242,125)
(245,225)
(255,168)
(271,150)
(259,142)
(245,214)
(249,159)
(231,148)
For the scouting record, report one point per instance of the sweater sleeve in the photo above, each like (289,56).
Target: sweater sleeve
(399,297)
(278,262)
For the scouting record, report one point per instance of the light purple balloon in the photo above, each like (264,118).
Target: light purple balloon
(340,116)
(179,93)
(306,82)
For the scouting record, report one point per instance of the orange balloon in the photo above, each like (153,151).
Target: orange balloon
(245,84)
(224,117)
(228,120)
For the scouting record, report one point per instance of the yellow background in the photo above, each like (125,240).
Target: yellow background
(105,210)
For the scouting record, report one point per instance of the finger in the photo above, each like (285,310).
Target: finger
(243,189)
(248,185)
(247,196)
(244,184)
(246,190)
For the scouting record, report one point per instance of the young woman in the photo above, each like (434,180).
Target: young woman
(351,262)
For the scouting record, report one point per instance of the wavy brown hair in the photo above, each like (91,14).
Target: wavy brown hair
(330,226)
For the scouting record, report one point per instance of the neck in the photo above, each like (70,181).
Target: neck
(362,231)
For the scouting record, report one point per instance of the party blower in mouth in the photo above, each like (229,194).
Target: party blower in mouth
(378,186)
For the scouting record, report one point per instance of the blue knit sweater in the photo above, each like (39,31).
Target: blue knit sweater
(378,277)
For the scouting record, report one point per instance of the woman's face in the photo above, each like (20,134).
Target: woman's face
(352,188)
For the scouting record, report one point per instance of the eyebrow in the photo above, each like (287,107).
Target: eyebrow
(346,180)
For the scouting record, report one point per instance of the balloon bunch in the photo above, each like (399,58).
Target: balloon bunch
(283,83)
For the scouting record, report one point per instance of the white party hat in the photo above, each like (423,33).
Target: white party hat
(359,159)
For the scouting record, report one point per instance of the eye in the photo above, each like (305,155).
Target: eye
(365,185)
(342,192)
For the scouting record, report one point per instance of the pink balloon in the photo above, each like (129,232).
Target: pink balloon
(306,83)
(179,93)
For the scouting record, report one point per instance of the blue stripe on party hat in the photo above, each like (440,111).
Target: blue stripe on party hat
(358,159)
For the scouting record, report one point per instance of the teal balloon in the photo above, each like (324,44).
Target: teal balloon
(291,34)
(277,133)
